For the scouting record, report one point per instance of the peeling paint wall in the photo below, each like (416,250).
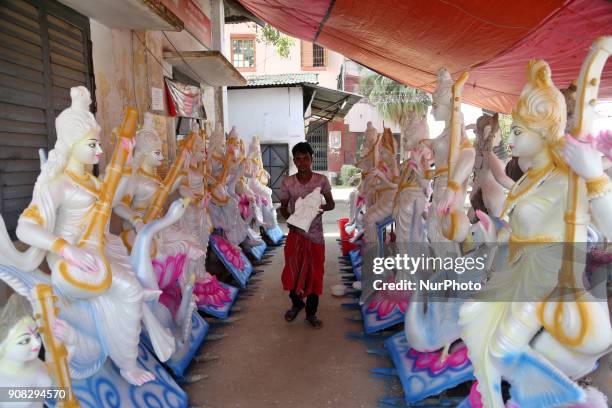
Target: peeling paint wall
(125,72)
(112,62)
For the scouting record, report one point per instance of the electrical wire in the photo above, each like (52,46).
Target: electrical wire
(168,74)
(181,55)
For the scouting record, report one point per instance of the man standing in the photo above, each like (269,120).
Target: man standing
(304,251)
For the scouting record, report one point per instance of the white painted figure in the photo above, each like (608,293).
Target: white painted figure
(19,348)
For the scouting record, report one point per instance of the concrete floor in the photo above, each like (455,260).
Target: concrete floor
(267,362)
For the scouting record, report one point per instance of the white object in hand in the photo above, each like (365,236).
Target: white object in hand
(306,209)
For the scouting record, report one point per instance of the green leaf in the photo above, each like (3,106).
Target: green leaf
(393,101)
(281,42)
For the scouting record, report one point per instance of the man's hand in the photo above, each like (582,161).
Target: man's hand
(284,209)
(329,202)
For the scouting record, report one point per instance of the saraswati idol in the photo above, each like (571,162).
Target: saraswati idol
(67,221)
(208,291)
(544,330)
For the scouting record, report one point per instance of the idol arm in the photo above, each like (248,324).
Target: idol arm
(498,170)
(383,178)
(600,210)
(464,166)
(30,231)
(119,207)
(122,189)
(186,192)
(124,212)
(177,183)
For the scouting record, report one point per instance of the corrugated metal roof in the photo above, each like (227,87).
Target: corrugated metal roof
(282,79)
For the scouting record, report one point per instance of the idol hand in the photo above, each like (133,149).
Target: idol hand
(79,258)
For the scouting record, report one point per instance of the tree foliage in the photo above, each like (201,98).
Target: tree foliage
(281,42)
(504,123)
(392,100)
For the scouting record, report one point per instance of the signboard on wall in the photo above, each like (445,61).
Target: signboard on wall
(335,139)
(194,18)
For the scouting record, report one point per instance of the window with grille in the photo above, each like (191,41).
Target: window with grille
(317,136)
(318,56)
(243,52)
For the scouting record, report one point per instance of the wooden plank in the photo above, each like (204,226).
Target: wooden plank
(61,92)
(15,204)
(22,139)
(23,98)
(18,153)
(21,113)
(28,22)
(54,8)
(19,179)
(67,73)
(65,82)
(13,166)
(63,31)
(24,191)
(68,62)
(61,103)
(18,71)
(9,125)
(21,7)
(14,30)
(44,35)
(21,84)
(10,219)
(19,45)
(59,22)
(19,58)
(8,16)
(67,52)
(56,38)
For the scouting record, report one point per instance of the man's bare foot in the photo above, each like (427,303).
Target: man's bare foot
(137,376)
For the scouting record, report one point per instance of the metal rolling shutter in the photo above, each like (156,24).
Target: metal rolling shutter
(45,49)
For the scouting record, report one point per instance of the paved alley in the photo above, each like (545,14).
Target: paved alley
(267,362)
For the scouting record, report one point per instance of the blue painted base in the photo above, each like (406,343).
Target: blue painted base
(372,323)
(240,275)
(199,328)
(275,234)
(357,272)
(419,373)
(256,252)
(221,312)
(355,256)
(108,389)
(380,228)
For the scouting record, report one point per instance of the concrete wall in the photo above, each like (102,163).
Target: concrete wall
(274,114)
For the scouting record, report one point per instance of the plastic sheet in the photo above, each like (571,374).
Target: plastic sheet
(410,40)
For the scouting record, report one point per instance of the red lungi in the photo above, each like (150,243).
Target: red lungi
(304,265)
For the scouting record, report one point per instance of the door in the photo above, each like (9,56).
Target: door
(317,137)
(45,49)
(275,157)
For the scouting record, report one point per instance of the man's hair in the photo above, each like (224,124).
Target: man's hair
(302,147)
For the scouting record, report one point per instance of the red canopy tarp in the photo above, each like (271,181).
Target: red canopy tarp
(492,39)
